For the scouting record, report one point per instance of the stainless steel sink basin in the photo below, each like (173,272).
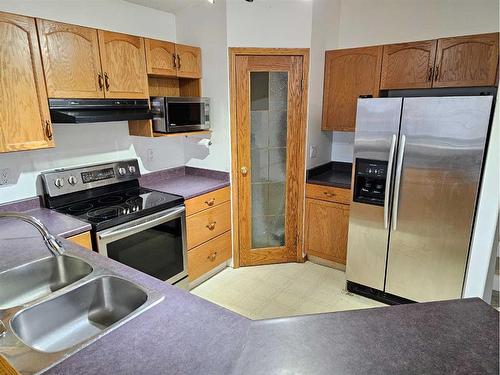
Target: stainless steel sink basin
(39,278)
(71,318)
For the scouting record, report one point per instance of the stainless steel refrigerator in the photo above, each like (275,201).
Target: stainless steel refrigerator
(417,168)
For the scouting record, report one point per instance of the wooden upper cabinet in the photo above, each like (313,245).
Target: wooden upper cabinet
(467,61)
(24,112)
(408,65)
(349,73)
(161,59)
(188,61)
(123,63)
(71,61)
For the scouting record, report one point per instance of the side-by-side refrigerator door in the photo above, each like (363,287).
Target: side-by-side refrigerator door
(377,130)
(436,184)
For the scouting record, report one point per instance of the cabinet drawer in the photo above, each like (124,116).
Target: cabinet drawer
(207,200)
(328,193)
(209,255)
(208,224)
(82,239)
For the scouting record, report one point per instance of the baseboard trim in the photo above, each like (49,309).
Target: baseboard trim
(326,262)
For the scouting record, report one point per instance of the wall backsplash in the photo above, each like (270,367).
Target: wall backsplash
(88,144)
(343,146)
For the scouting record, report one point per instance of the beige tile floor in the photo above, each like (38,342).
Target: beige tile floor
(279,290)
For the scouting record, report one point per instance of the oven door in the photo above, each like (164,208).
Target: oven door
(185,114)
(155,244)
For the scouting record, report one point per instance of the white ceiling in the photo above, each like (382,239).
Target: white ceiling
(171,6)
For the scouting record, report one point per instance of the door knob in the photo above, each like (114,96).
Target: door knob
(244,171)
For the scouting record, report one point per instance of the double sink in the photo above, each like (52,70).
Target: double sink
(52,307)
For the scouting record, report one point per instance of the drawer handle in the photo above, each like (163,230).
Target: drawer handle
(210,202)
(328,194)
(211,226)
(212,256)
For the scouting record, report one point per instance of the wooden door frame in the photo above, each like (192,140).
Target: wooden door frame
(233,53)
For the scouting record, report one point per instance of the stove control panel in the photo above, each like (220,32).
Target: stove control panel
(70,180)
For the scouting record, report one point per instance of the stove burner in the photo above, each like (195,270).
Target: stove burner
(111,199)
(106,212)
(80,207)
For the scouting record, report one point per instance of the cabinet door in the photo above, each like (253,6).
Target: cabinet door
(188,61)
(160,58)
(124,65)
(71,61)
(24,112)
(327,225)
(408,65)
(467,61)
(349,73)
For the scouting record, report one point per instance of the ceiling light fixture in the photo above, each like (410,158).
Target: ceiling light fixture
(211,1)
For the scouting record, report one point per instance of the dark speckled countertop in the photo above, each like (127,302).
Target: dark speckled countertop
(334,173)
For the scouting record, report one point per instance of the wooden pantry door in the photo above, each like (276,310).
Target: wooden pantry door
(269,159)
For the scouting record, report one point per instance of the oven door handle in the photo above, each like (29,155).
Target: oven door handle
(144,225)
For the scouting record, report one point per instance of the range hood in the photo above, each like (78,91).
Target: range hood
(77,111)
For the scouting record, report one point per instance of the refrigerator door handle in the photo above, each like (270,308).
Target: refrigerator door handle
(388,180)
(397,183)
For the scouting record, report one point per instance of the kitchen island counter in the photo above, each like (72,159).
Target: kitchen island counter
(185,334)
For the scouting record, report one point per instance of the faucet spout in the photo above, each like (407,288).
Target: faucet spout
(53,244)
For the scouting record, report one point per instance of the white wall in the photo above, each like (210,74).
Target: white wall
(113,15)
(269,23)
(205,26)
(368,22)
(90,143)
(486,218)
(324,36)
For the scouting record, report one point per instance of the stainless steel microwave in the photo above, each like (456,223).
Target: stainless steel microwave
(180,114)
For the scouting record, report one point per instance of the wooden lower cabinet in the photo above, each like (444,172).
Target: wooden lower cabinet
(207,224)
(82,239)
(208,227)
(209,255)
(326,228)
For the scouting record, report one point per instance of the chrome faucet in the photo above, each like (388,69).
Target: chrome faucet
(55,247)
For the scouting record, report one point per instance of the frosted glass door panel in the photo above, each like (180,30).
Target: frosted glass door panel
(268,122)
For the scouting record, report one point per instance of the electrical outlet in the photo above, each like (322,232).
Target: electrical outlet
(5,175)
(313,152)
(150,154)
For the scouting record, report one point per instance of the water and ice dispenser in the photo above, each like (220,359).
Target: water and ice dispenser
(369,181)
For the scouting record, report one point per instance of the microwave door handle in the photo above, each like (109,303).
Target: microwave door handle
(397,183)
(388,179)
(144,225)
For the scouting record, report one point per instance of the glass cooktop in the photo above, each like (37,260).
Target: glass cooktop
(118,207)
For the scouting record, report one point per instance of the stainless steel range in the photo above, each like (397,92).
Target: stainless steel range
(142,228)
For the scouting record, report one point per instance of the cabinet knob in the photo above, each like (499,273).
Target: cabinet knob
(178,61)
(244,171)
(175,61)
(211,226)
(431,70)
(328,194)
(210,202)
